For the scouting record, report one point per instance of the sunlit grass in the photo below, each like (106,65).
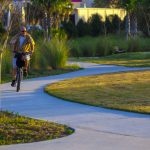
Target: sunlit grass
(125,91)
(138,59)
(18,129)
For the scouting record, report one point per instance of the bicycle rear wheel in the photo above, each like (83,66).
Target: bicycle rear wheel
(18,79)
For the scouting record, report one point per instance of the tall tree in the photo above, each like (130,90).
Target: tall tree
(144,16)
(56,10)
(131,18)
(106,3)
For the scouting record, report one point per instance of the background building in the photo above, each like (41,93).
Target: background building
(83,9)
(82,3)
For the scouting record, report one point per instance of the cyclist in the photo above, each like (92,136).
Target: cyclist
(24,43)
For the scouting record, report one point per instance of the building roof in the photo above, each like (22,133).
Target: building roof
(76,1)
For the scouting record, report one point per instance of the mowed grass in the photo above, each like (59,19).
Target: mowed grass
(136,59)
(128,91)
(17,129)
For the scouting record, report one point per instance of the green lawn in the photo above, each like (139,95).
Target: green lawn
(18,129)
(124,91)
(137,59)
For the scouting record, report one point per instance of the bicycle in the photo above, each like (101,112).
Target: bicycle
(20,63)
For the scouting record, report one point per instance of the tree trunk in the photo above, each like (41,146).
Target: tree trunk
(133,24)
(49,26)
(128,26)
(45,27)
(147,23)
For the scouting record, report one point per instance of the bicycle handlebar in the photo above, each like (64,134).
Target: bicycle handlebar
(23,53)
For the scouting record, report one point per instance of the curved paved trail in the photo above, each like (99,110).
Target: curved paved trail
(96,128)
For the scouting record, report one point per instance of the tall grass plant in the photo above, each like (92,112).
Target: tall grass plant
(107,45)
(52,54)
(6,62)
(57,53)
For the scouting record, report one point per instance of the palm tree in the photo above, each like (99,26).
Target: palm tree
(55,10)
(131,23)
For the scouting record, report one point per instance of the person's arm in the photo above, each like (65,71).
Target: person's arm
(32,43)
(32,47)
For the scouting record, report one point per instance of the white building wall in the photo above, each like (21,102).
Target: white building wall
(86,13)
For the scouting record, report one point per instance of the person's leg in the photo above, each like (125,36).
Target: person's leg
(27,59)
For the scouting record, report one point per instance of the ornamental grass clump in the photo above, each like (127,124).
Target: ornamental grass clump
(6,61)
(56,52)
(39,61)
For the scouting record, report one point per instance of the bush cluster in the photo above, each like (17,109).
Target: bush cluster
(94,26)
(106,45)
(52,54)
(47,55)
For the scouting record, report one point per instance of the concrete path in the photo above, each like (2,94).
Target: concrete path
(96,128)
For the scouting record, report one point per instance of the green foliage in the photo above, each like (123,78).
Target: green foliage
(18,129)
(58,10)
(6,62)
(116,24)
(56,53)
(83,47)
(130,5)
(106,3)
(2,32)
(75,48)
(103,46)
(96,25)
(52,54)
(38,60)
(58,33)
(70,29)
(137,45)
(108,25)
(82,28)
(37,34)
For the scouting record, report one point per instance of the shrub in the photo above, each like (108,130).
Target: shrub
(38,60)
(58,33)
(116,24)
(37,34)
(87,47)
(6,62)
(108,25)
(74,48)
(104,46)
(133,45)
(70,29)
(56,53)
(96,25)
(82,28)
